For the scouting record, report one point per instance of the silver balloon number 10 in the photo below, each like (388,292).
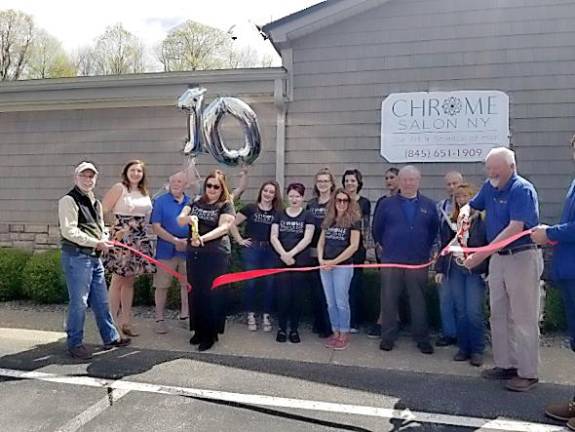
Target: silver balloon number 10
(204,134)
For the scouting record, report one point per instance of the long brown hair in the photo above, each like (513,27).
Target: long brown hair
(142,184)
(277,202)
(327,172)
(225,193)
(351,215)
(467,188)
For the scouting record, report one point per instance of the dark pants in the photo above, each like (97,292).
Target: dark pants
(469,295)
(568,291)
(321,322)
(394,282)
(356,291)
(207,306)
(290,294)
(259,257)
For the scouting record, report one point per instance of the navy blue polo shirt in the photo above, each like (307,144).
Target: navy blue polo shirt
(165,212)
(516,201)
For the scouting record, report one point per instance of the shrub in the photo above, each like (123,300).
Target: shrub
(43,278)
(554,318)
(12,262)
(144,290)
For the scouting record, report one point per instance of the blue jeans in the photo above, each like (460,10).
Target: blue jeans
(336,288)
(469,294)
(568,291)
(447,310)
(259,257)
(86,286)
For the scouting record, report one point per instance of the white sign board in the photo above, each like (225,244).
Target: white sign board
(460,126)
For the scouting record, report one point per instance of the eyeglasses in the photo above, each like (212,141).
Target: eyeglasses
(213,186)
(342,200)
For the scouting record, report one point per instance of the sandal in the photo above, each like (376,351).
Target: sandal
(128,331)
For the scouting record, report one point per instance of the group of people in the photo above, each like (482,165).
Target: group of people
(333,229)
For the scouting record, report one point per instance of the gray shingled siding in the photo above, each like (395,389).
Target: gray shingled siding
(38,150)
(523,47)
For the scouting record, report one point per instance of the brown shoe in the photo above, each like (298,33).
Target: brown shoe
(119,343)
(80,353)
(571,424)
(129,331)
(562,411)
(498,373)
(519,384)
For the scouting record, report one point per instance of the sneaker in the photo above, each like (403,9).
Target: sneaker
(518,384)
(80,353)
(354,330)
(460,356)
(374,332)
(445,341)
(341,343)
(118,343)
(160,327)
(385,345)
(498,373)
(330,343)
(281,336)
(562,411)
(267,323)
(252,325)
(294,337)
(425,347)
(571,423)
(476,359)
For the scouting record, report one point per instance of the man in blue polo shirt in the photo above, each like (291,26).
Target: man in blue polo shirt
(171,247)
(563,272)
(511,206)
(405,225)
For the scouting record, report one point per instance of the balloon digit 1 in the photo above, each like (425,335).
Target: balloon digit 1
(192,101)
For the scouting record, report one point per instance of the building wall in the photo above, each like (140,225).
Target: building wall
(343,72)
(44,133)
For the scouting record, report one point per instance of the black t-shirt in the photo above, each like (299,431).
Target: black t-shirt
(258,222)
(291,230)
(208,220)
(318,212)
(338,239)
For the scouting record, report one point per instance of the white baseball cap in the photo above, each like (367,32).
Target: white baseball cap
(83,166)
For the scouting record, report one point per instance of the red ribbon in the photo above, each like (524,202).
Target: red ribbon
(230,278)
(183,279)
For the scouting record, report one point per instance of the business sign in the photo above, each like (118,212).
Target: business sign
(459,126)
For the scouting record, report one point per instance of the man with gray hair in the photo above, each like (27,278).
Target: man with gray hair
(511,206)
(405,225)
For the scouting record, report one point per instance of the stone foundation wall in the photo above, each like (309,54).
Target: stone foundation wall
(29,236)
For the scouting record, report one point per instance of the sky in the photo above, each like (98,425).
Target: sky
(77,23)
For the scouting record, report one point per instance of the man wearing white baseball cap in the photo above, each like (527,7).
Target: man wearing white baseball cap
(82,240)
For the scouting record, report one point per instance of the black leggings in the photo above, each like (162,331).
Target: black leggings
(207,306)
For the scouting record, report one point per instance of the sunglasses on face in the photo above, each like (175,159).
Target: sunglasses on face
(213,186)
(342,200)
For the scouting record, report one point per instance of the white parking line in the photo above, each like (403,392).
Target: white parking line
(93,411)
(483,424)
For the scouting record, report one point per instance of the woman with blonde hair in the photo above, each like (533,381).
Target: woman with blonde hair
(468,287)
(130,203)
(209,218)
(338,242)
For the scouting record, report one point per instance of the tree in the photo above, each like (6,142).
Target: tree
(244,57)
(84,60)
(193,46)
(118,52)
(48,59)
(16,37)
